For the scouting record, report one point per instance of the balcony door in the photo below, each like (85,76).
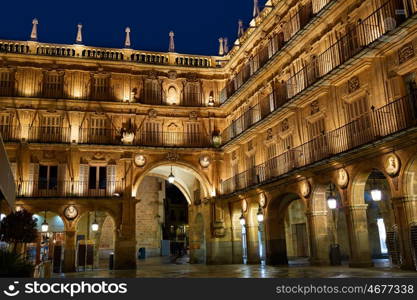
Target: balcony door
(97,181)
(98,132)
(317,144)
(5,126)
(50,129)
(359,127)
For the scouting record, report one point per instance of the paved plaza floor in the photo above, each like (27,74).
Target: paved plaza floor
(164,268)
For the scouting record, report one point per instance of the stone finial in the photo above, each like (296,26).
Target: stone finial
(226,45)
(256,10)
(79,39)
(34,33)
(221,47)
(127,39)
(240,30)
(171,42)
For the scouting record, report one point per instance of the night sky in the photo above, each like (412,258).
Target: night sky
(197,24)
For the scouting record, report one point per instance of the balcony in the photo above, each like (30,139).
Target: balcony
(290,29)
(49,134)
(377,124)
(99,136)
(67,189)
(347,47)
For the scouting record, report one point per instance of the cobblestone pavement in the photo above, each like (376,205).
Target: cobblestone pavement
(163,268)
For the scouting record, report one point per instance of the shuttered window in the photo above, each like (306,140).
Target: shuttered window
(192,94)
(53,85)
(152,92)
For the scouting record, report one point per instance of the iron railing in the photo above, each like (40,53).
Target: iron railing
(378,123)
(10,133)
(386,18)
(64,189)
(144,138)
(295,24)
(49,134)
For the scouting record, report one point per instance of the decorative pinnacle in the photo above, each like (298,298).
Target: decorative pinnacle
(226,45)
(127,39)
(240,31)
(171,42)
(79,39)
(256,10)
(221,47)
(34,33)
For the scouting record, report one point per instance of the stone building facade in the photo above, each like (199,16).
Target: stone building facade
(315,101)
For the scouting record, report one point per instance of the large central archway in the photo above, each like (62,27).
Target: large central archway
(167,226)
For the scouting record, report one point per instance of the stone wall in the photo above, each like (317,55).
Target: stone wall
(149,214)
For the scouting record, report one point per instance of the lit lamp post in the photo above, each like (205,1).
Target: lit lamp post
(242,221)
(335,255)
(260,217)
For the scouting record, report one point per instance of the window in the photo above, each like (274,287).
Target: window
(98,131)
(193,133)
(192,94)
(357,114)
(53,85)
(287,143)
(50,128)
(316,129)
(152,92)
(6,83)
(5,128)
(48,177)
(97,178)
(101,88)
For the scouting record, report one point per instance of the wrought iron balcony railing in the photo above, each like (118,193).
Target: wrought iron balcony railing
(378,123)
(385,19)
(294,25)
(100,136)
(68,189)
(49,134)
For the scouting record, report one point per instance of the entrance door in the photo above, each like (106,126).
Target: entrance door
(301,241)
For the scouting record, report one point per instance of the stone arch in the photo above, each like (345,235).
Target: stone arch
(102,250)
(204,181)
(275,218)
(198,241)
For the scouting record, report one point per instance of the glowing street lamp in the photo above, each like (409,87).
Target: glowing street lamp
(94,226)
(44,226)
(332,202)
(376,194)
(242,220)
(260,215)
(171,177)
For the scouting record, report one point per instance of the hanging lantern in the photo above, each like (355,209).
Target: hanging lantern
(94,226)
(44,226)
(376,194)
(171,177)
(332,202)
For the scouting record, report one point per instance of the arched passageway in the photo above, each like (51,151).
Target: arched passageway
(286,230)
(95,241)
(50,241)
(167,224)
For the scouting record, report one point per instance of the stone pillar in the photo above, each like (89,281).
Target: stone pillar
(276,245)
(124,253)
(405,211)
(69,252)
(253,243)
(319,238)
(357,223)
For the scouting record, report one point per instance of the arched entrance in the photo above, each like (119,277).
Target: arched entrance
(50,242)
(168,202)
(95,241)
(373,228)
(286,230)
